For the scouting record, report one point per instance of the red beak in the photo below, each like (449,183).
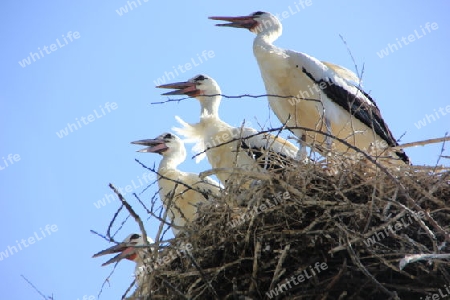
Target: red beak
(125,252)
(238,22)
(157,145)
(182,88)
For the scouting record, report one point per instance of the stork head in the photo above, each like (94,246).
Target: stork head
(203,88)
(165,144)
(257,22)
(196,86)
(126,249)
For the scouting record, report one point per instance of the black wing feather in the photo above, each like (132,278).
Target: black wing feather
(357,106)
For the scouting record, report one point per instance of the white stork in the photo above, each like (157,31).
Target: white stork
(324,96)
(227,146)
(132,248)
(180,192)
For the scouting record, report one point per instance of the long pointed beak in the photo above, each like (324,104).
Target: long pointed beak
(247,22)
(181,88)
(153,145)
(125,252)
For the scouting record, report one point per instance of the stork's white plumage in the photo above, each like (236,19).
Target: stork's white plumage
(227,146)
(131,248)
(180,192)
(333,104)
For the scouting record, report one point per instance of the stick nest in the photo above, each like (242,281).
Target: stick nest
(362,224)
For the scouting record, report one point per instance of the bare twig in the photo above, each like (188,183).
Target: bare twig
(422,143)
(363,269)
(353,60)
(173,288)
(418,257)
(238,96)
(278,273)
(204,193)
(106,281)
(128,290)
(36,289)
(256,254)
(440,154)
(132,213)
(203,275)
(108,232)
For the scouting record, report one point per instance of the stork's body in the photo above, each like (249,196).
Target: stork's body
(323,96)
(227,146)
(180,192)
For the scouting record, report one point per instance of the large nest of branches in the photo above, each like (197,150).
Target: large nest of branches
(366,233)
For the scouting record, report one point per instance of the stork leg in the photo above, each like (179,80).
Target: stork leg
(328,139)
(302,154)
(331,168)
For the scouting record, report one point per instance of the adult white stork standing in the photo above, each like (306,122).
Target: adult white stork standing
(180,192)
(227,146)
(323,95)
(131,248)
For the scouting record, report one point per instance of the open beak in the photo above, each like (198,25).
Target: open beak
(157,145)
(181,88)
(238,22)
(125,252)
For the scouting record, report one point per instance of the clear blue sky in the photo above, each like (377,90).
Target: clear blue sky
(115,60)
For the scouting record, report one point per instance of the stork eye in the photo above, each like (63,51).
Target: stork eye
(258,13)
(200,77)
(168,136)
(135,236)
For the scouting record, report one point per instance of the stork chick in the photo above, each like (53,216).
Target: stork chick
(226,146)
(180,192)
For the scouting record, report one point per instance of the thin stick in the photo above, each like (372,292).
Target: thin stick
(276,274)
(132,213)
(108,232)
(238,96)
(422,143)
(35,288)
(255,266)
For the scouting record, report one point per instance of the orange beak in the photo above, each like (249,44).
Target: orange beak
(247,22)
(181,88)
(125,252)
(157,145)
